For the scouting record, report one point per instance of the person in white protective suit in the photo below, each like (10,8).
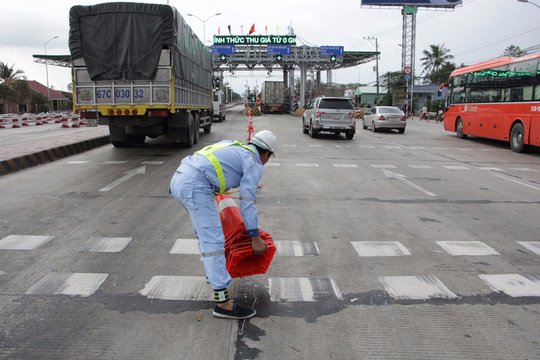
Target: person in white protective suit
(211,171)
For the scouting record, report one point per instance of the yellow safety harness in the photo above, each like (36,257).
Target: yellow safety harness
(208,150)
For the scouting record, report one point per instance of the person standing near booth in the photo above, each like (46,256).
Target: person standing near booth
(211,171)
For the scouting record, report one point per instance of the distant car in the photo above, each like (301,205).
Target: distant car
(385,117)
(329,114)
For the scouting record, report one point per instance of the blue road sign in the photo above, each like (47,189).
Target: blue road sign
(279,49)
(223,49)
(331,50)
(408,77)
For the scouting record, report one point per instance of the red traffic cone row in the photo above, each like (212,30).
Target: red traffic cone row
(250,127)
(238,250)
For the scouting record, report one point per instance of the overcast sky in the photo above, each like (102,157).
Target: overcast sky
(476,31)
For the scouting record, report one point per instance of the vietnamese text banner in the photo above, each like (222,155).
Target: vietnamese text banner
(255,40)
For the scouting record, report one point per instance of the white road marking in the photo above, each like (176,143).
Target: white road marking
(192,288)
(345,165)
(153,163)
(467,248)
(114,162)
(129,174)
(307,165)
(490,168)
(302,289)
(296,248)
(400,177)
(421,287)
(533,246)
(524,169)
(63,283)
(517,182)
(105,244)
(514,285)
(383,166)
(380,248)
(23,242)
(456,167)
(185,247)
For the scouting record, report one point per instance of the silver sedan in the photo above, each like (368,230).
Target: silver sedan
(385,117)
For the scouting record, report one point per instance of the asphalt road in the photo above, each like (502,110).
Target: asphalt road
(390,246)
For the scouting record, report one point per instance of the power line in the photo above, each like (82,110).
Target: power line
(497,42)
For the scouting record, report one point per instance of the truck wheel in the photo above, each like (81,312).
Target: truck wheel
(349,135)
(196,128)
(207,129)
(119,144)
(137,139)
(189,132)
(304,130)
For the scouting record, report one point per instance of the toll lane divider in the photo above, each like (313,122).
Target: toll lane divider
(45,156)
(18,121)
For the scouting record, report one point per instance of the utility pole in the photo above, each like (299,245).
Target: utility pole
(376,65)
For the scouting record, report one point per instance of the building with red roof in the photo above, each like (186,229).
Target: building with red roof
(58,100)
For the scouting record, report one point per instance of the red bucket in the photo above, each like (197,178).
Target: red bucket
(238,250)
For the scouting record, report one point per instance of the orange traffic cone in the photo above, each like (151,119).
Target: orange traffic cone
(238,250)
(250,127)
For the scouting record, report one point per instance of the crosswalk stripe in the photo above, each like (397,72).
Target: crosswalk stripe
(422,287)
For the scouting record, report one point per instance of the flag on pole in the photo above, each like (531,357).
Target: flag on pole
(229,29)
(252,30)
(277,30)
(219,30)
(242,29)
(266,29)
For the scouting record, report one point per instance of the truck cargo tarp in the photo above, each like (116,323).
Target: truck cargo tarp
(124,41)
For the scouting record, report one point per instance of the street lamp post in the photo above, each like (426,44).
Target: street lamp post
(47,72)
(527,1)
(204,24)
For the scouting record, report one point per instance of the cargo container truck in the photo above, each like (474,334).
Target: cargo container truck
(141,70)
(272,97)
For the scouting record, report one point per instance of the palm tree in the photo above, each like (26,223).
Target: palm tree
(7,73)
(435,59)
(514,51)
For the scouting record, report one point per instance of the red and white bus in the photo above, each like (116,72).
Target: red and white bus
(497,99)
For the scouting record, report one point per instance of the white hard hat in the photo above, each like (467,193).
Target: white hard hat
(265,140)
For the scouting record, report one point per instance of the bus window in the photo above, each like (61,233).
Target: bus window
(537,91)
(528,93)
(520,80)
(492,95)
(537,86)
(458,95)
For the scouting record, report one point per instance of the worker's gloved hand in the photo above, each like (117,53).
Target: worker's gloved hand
(259,245)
